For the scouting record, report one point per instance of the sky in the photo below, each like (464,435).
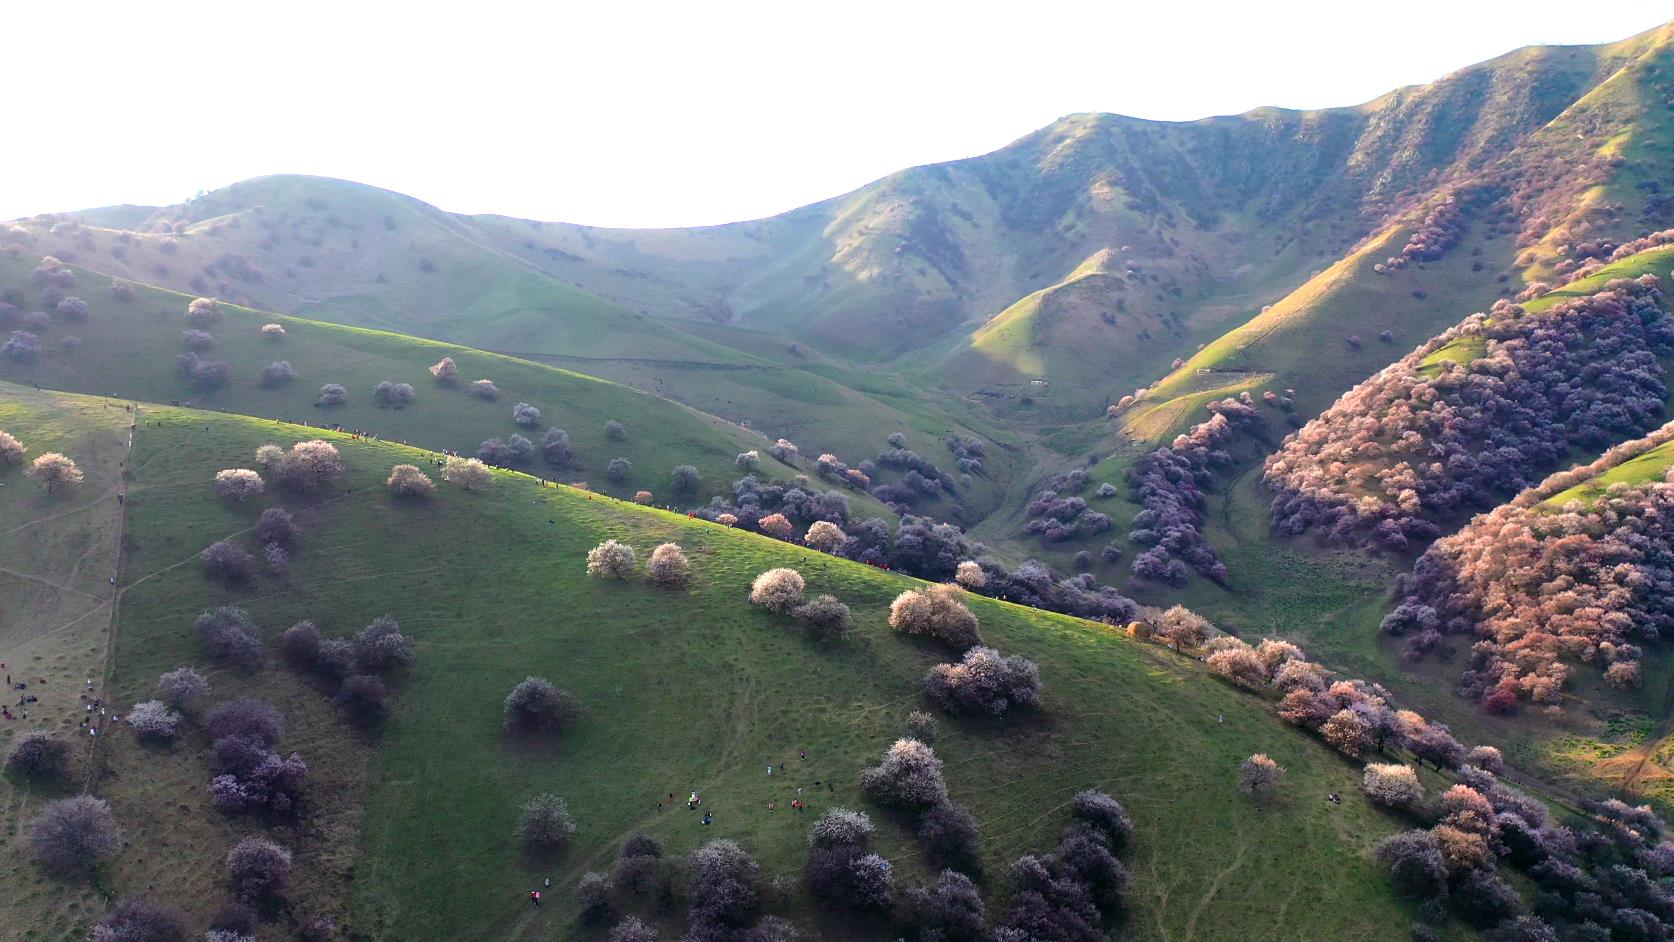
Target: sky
(672,114)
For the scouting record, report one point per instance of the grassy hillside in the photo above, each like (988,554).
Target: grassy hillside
(57,555)
(477,296)
(684,690)
(128,349)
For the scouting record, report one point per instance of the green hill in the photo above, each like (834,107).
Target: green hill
(683,690)
(128,349)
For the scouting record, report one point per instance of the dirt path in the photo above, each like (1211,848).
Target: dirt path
(1642,757)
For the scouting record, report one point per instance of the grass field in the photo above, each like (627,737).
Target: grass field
(57,554)
(128,350)
(684,690)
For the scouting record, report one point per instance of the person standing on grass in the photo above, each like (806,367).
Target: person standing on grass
(535,897)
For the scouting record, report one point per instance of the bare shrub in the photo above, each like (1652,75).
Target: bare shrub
(300,644)
(824,617)
(11,450)
(1103,813)
(612,560)
(381,646)
(618,470)
(777,590)
(239,483)
(332,394)
(555,448)
(1392,784)
(276,526)
(182,687)
(536,706)
(38,754)
(938,612)
(910,776)
(406,480)
(141,920)
(616,431)
(277,373)
(950,909)
(722,881)
(668,567)
(526,415)
(74,835)
(391,395)
(921,726)
(306,467)
(153,720)
(258,870)
(227,560)
(951,837)
(1486,758)
(468,473)
(55,471)
(1258,776)
(633,929)
(203,312)
(485,389)
(970,575)
(686,481)
(273,332)
(545,823)
(246,719)
(445,370)
(592,896)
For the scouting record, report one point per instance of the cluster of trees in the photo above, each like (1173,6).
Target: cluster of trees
(920,478)
(798,502)
(1058,515)
(824,617)
(23,346)
(1169,483)
(203,375)
(910,780)
(275,532)
(668,566)
(304,467)
(841,870)
(1431,238)
(1066,895)
(939,612)
(250,776)
(984,682)
(1611,880)
(508,452)
(392,395)
(1586,258)
(351,667)
(1539,588)
(1420,442)
(968,453)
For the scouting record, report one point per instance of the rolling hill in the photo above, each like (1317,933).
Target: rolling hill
(682,690)
(128,348)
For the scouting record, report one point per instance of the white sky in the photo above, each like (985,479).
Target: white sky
(665,114)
